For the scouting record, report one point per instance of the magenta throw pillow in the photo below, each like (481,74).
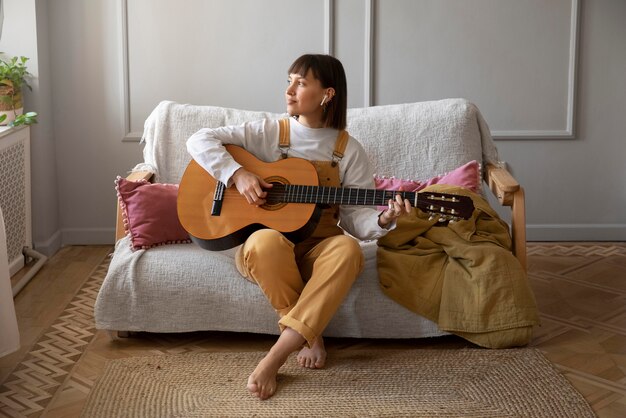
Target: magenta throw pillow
(149,213)
(468,176)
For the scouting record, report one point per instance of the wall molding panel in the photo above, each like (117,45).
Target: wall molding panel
(380,53)
(371,61)
(225,57)
(569,131)
(124,76)
(369,53)
(329,27)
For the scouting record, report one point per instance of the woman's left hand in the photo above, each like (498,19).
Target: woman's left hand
(397,208)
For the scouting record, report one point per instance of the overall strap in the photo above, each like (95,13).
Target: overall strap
(283,137)
(284,141)
(340,147)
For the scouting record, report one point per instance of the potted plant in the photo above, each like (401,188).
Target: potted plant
(13,77)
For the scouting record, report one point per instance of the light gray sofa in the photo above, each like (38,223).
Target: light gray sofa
(181,287)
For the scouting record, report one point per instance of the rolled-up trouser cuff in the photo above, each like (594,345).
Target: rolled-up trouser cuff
(309,335)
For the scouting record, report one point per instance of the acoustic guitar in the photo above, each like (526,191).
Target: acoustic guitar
(218,217)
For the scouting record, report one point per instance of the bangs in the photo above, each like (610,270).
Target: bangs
(302,65)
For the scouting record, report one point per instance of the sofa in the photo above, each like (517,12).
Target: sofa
(180,287)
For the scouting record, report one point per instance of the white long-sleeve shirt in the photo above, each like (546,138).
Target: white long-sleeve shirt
(261,139)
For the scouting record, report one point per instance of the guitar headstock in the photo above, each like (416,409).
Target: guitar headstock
(446,207)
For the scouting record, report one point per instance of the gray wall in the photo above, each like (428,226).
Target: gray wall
(104,64)
(24,33)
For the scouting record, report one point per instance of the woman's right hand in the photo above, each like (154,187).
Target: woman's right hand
(251,186)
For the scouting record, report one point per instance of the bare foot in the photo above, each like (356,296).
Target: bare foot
(314,357)
(262,381)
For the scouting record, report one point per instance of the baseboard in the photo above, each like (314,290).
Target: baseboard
(75,236)
(50,246)
(576,232)
(16,265)
(88,236)
(537,232)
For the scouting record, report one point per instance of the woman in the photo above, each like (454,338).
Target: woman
(305,282)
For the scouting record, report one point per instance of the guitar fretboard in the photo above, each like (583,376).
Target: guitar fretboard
(281,193)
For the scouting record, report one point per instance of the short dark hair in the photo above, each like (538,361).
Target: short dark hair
(329,71)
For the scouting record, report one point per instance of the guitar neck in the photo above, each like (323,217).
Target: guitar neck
(336,195)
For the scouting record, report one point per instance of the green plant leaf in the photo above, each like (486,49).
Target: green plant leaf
(25,119)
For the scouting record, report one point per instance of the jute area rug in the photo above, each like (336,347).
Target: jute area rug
(382,382)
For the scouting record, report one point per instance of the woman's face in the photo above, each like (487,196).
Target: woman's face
(304,95)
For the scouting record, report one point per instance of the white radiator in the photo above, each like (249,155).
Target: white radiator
(15,193)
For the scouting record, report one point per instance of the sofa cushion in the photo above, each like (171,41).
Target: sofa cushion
(422,140)
(169,126)
(183,288)
(149,213)
(414,140)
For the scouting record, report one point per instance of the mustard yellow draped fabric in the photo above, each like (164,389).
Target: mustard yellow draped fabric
(462,276)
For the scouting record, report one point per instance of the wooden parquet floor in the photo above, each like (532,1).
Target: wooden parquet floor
(580,290)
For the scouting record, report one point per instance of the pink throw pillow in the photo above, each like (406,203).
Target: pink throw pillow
(468,176)
(149,213)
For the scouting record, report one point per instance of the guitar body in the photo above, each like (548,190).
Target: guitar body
(237,218)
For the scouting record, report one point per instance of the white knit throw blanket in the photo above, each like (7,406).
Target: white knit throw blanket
(412,141)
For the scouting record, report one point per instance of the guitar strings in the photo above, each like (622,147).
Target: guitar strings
(441,204)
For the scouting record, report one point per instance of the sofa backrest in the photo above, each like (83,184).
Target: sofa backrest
(410,141)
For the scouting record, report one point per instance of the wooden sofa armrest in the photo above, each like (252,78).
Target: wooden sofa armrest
(509,193)
(134,176)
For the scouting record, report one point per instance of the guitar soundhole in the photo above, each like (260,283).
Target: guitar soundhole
(274,200)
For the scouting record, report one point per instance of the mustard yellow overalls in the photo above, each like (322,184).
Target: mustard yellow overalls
(306,282)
